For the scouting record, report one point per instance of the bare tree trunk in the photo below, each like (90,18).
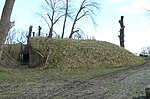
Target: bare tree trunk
(76,18)
(52,25)
(66,14)
(121,36)
(73,25)
(5,24)
(50,32)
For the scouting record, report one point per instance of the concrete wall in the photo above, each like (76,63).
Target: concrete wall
(36,60)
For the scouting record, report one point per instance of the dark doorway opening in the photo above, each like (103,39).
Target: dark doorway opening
(25,58)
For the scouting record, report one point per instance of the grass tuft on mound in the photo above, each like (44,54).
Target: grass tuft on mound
(69,53)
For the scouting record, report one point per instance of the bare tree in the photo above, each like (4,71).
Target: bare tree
(16,36)
(11,37)
(58,9)
(144,51)
(86,9)
(66,14)
(5,24)
(54,13)
(22,38)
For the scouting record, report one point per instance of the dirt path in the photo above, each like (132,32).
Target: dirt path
(121,84)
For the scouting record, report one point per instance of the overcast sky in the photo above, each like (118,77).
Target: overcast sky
(136,20)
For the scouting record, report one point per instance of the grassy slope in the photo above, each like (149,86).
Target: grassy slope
(10,55)
(65,53)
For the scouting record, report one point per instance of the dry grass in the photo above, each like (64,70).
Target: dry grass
(10,55)
(66,53)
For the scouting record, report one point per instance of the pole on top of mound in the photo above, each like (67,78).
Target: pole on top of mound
(121,36)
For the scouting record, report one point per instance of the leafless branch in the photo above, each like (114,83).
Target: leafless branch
(85,13)
(58,19)
(44,19)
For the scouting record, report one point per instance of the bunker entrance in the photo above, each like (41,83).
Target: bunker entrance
(25,58)
(24,55)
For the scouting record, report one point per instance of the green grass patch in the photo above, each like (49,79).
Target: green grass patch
(84,73)
(32,75)
(26,75)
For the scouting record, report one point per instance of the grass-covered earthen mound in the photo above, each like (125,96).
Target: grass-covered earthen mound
(10,56)
(67,53)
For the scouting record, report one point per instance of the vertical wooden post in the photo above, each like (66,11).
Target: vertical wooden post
(28,44)
(121,36)
(30,31)
(33,34)
(28,37)
(39,31)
